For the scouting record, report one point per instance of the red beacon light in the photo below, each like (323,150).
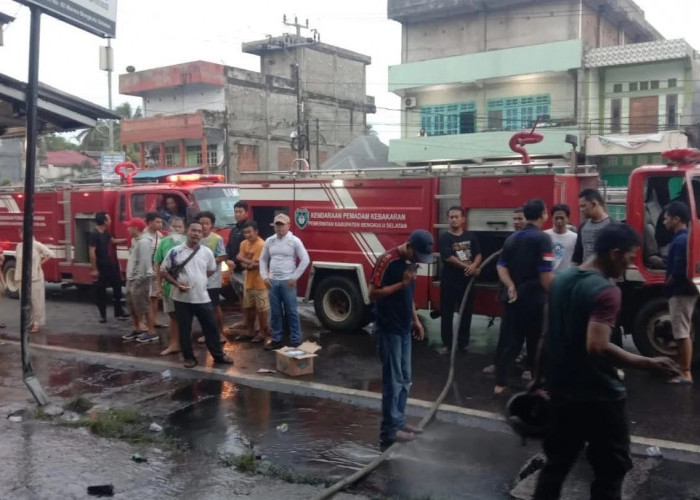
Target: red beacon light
(184,178)
(682,155)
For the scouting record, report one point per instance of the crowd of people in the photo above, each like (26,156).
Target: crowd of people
(183,270)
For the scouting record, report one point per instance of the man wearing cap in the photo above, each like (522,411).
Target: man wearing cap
(280,272)
(391,289)
(139,272)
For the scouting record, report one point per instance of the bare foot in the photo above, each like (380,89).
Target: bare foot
(170,350)
(499,389)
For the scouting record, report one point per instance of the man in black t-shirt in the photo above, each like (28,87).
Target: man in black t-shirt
(391,289)
(578,364)
(104,267)
(525,269)
(461,257)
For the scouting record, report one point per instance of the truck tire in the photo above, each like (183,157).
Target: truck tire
(339,306)
(652,332)
(8,274)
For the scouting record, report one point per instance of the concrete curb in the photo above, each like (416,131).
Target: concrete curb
(489,421)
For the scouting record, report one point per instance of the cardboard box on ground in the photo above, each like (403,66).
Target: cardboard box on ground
(295,361)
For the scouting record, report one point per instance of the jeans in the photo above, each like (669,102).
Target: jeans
(601,424)
(184,312)
(450,301)
(283,300)
(395,355)
(522,321)
(109,277)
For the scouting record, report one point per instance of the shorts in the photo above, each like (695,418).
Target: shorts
(168,305)
(154,289)
(681,308)
(256,299)
(137,296)
(214,296)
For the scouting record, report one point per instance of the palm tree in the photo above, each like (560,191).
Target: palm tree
(97,138)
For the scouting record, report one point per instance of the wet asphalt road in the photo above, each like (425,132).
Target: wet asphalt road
(656,409)
(324,437)
(218,419)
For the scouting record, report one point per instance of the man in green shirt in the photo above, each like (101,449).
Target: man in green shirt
(587,394)
(175,238)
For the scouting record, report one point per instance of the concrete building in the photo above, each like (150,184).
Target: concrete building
(472,72)
(243,119)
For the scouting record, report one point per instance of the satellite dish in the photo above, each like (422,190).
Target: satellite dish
(130,69)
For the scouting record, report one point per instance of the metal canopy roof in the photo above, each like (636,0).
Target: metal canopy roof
(58,111)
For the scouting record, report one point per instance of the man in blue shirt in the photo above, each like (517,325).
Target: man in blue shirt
(391,288)
(682,294)
(525,269)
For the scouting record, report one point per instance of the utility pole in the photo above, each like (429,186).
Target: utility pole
(107,64)
(295,24)
(302,133)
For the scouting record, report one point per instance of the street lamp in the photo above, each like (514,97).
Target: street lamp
(107,64)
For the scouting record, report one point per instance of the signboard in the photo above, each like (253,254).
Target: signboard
(329,219)
(96,16)
(107,163)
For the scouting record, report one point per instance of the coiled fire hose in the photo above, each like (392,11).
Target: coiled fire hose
(353,478)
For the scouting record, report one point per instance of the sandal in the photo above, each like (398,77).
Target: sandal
(190,363)
(680,381)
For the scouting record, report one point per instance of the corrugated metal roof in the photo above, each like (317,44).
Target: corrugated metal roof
(636,53)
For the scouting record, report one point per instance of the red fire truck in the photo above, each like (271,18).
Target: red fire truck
(348,219)
(64,217)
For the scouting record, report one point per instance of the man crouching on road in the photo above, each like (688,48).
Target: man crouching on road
(187,267)
(391,289)
(587,394)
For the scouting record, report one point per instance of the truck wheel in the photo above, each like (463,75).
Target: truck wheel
(8,274)
(652,330)
(339,306)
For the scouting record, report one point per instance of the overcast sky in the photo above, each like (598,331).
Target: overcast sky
(153,33)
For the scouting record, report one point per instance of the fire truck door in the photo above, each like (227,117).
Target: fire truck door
(692,195)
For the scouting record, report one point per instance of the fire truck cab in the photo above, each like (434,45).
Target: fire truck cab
(64,218)
(644,311)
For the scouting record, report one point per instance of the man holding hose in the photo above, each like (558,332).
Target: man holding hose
(391,289)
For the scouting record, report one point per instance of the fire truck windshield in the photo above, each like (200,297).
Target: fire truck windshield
(219,200)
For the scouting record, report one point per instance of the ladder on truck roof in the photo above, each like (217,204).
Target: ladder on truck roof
(430,170)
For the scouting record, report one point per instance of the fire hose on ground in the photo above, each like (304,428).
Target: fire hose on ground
(353,478)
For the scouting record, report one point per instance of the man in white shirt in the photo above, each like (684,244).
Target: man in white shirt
(280,272)
(563,239)
(187,267)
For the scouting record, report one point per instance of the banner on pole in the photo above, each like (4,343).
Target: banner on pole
(107,163)
(96,16)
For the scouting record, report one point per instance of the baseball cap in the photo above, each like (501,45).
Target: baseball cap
(136,222)
(422,243)
(281,218)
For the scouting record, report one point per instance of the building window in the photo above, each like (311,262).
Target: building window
(616,116)
(449,119)
(519,112)
(671,111)
(643,85)
(194,155)
(212,155)
(634,86)
(154,155)
(617,88)
(672,83)
(654,84)
(171,156)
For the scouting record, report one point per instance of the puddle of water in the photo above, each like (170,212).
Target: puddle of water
(319,436)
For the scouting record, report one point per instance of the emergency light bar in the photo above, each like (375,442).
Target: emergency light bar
(682,155)
(182,178)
